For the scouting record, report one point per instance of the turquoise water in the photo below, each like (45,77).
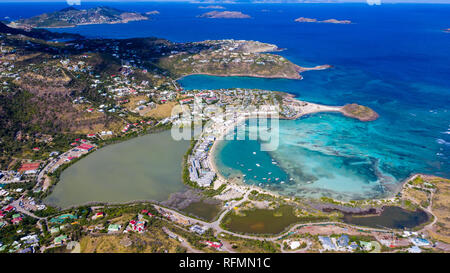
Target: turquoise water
(393,58)
(331,155)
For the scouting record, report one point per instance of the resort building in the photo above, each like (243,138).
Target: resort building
(327,243)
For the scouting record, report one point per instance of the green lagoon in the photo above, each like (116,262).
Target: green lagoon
(261,221)
(144,168)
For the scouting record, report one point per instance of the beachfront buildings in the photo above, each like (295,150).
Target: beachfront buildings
(199,169)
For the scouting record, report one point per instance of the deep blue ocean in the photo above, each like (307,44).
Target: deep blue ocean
(394,58)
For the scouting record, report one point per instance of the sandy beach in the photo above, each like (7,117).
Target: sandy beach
(223,129)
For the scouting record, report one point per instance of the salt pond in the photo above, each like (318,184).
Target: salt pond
(143,168)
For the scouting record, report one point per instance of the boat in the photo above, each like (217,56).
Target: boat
(258,165)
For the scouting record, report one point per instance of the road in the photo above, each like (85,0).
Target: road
(183,241)
(18,208)
(218,229)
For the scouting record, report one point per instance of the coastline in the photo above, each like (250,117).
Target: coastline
(224,130)
(300,77)
(300,70)
(83,24)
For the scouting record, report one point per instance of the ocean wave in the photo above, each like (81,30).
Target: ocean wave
(441,141)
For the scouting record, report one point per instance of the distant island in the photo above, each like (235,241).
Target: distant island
(225,15)
(71,17)
(153,12)
(328,21)
(211,7)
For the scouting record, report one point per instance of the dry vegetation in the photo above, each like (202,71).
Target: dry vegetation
(161,111)
(360,112)
(441,208)
(150,242)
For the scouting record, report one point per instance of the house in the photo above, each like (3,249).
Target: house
(60,240)
(327,244)
(367,246)
(54,230)
(16,220)
(9,208)
(188,100)
(86,147)
(353,246)
(197,229)
(417,241)
(114,228)
(136,226)
(414,249)
(98,215)
(29,168)
(61,218)
(214,244)
(343,241)
(30,239)
(294,244)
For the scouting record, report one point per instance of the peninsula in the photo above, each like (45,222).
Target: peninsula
(225,15)
(234,58)
(293,108)
(71,17)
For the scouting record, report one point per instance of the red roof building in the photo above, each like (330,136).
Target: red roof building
(86,147)
(16,220)
(29,167)
(9,208)
(214,244)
